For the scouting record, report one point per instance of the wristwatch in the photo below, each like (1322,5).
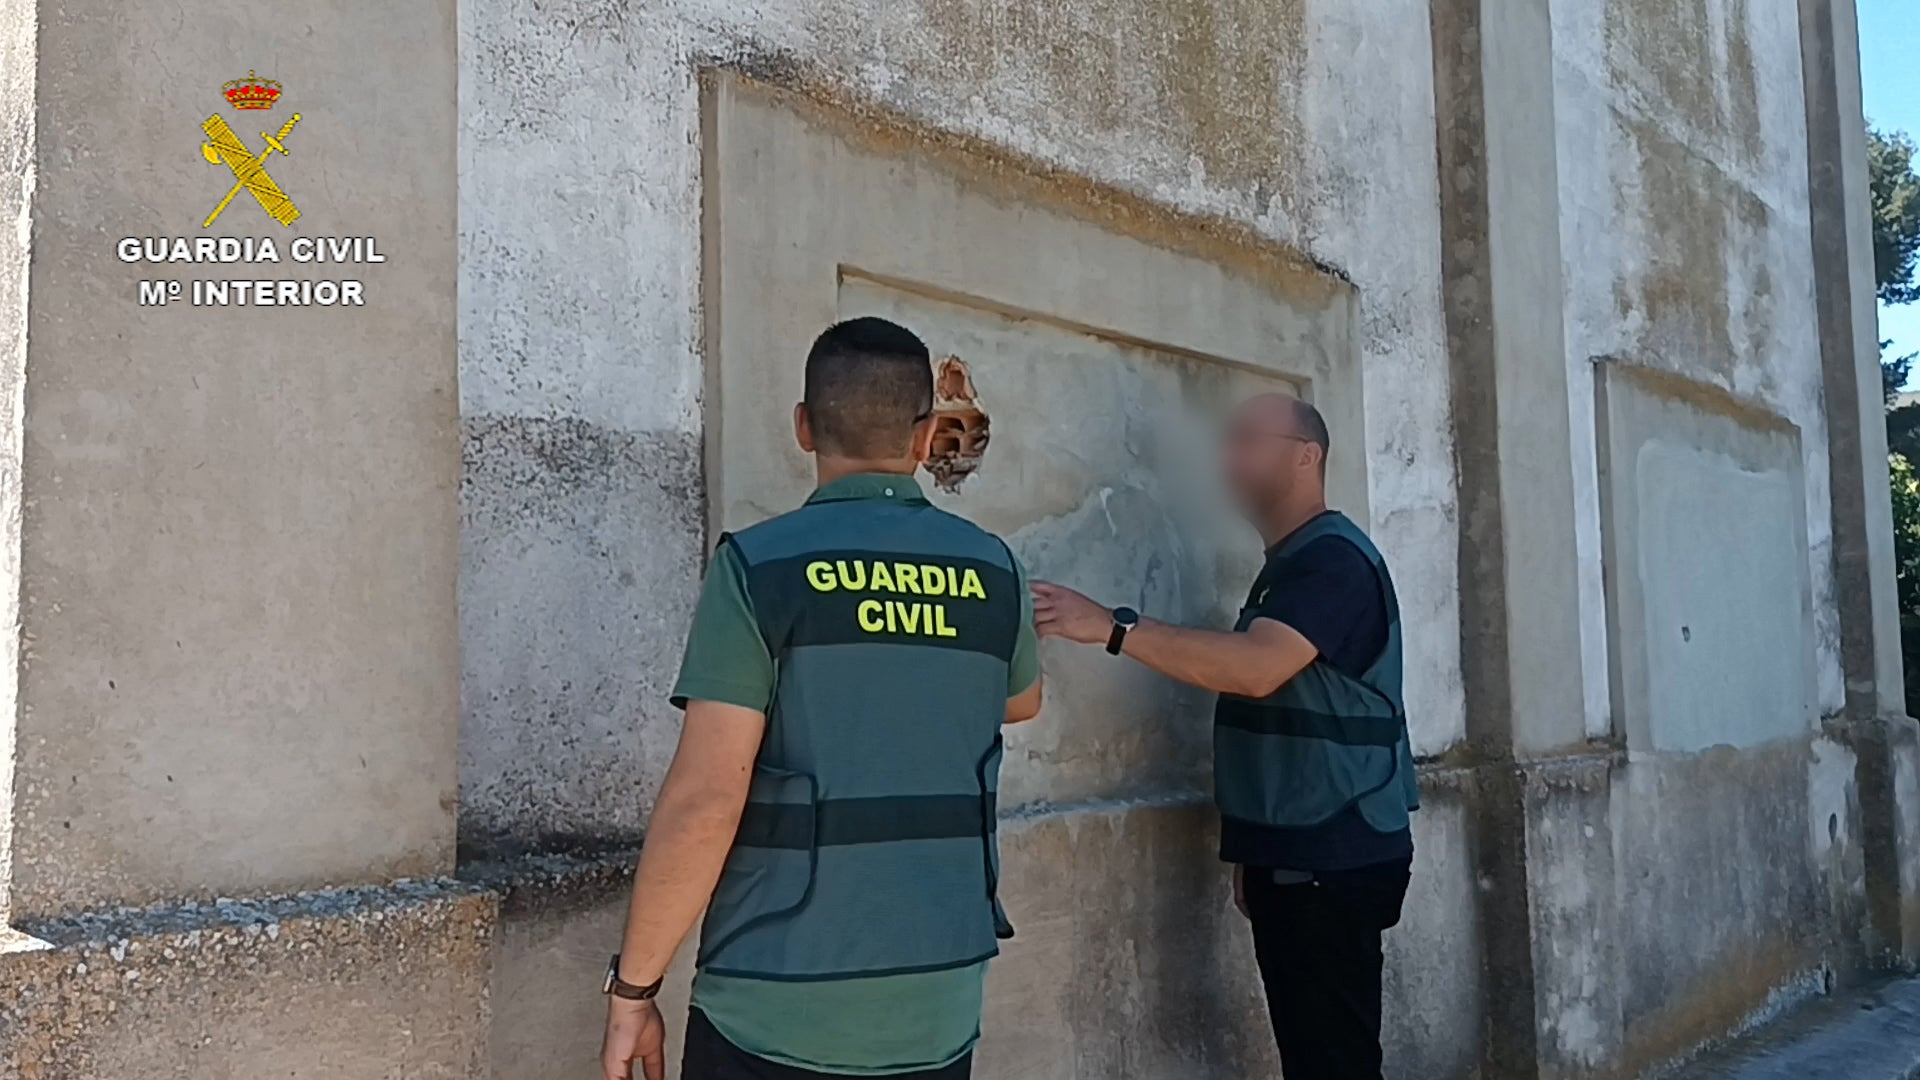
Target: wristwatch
(1124,619)
(627,990)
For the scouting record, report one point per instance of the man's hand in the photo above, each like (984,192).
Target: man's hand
(1060,612)
(688,837)
(635,1032)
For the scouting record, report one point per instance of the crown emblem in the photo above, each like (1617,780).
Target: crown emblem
(252,92)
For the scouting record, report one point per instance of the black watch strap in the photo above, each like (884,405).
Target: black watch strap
(627,990)
(1124,620)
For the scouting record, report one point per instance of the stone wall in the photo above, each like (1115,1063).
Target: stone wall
(582,349)
(1565,276)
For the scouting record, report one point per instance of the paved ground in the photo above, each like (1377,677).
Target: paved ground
(1872,1035)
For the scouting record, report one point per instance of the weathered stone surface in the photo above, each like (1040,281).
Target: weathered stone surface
(1121,214)
(365,984)
(238,545)
(567,730)
(1684,215)
(583,294)
(560,918)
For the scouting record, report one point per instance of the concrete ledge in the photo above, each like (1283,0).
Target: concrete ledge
(1129,962)
(352,984)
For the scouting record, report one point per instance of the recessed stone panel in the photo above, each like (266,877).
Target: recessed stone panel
(1709,593)
(1098,366)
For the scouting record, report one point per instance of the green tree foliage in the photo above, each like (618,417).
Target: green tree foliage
(1895,191)
(1894,372)
(1903,431)
(1906,564)
(1896,215)
(1906,530)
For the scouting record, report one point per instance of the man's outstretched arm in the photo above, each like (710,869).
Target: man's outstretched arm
(688,837)
(1251,664)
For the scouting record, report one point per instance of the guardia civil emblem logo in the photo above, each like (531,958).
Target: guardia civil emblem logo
(223,147)
(247,284)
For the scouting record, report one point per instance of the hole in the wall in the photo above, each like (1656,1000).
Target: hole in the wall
(960,426)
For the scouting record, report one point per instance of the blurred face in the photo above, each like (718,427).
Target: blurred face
(1265,458)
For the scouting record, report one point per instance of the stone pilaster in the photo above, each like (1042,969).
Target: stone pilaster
(1875,722)
(230,479)
(1519,602)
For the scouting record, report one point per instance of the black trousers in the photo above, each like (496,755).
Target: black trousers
(1318,944)
(710,1056)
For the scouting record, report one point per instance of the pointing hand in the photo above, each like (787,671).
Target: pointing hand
(1060,612)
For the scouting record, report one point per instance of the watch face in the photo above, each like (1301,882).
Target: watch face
(1126,617)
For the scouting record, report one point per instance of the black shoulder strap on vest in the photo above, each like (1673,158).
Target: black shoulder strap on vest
(785,634)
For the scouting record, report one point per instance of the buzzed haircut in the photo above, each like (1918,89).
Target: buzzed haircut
(869,381)
(1312,427)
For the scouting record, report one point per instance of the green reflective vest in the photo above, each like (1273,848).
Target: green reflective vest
(868,842)
(1324,741)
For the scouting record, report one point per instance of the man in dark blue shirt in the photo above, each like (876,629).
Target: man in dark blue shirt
(1328,593)
(1318,875)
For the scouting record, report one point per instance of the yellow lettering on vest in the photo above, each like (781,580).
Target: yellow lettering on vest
(820,576)
(879,580)
(970,585)
(953,582)
(906,577)
(940,627)
(855,579)
(869,615)
(910,617)
(933,580)
(893,609)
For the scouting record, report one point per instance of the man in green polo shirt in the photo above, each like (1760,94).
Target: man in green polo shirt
(832,800)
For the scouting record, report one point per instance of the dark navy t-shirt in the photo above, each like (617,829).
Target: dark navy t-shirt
(1327,591)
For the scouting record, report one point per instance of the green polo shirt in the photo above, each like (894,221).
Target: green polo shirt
(853,1027)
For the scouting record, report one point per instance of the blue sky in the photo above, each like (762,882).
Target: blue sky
(1889,44)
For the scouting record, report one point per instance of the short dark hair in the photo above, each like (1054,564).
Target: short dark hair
(1312,428)
(869,381)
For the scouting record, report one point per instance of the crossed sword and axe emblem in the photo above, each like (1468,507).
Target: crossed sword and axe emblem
(249,169)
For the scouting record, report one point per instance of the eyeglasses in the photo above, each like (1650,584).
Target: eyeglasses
(1242,436)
